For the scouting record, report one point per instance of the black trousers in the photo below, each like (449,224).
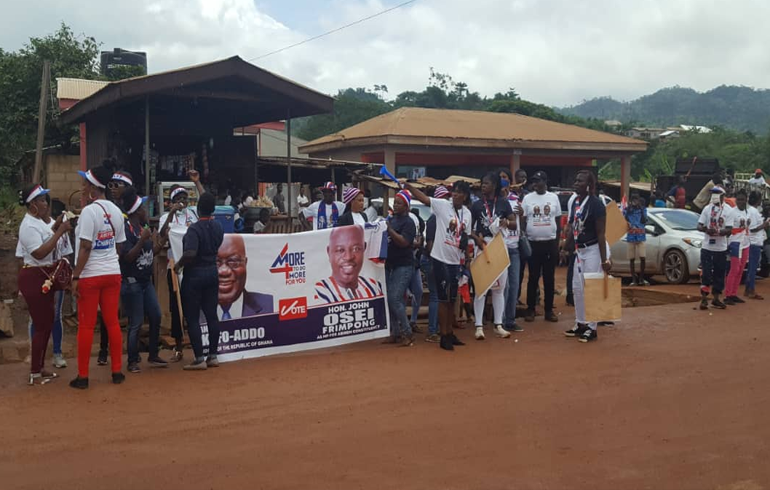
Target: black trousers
(200,291)
(545,256)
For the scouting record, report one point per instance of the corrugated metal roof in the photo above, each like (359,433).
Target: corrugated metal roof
(459,128)
(77,89)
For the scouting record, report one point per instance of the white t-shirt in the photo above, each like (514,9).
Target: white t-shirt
(450,223)
(371,214)
(33,233)
(182,221)
(541,211)
(757,181)
(94,226)
(302,200)
(228,200)
(756,237)
(721,215)
(63,246)
(511,237)
(740,220)
(311,212)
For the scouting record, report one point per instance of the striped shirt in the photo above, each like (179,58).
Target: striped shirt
(329,291)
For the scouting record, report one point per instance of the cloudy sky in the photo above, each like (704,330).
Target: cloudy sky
(556,52)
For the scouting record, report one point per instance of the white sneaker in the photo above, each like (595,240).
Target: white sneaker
(500,332)
(480,333)
(58,361)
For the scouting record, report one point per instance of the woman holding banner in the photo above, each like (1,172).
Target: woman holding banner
(491,215)
(200,286)
(453,221)
(587,222)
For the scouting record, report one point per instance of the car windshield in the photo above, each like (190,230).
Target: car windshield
(677,219)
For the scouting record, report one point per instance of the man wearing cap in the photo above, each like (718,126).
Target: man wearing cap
(715,224)
(440,192)
(179,217)
(542,223)
(326,212)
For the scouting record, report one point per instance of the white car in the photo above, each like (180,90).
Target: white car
(673,246)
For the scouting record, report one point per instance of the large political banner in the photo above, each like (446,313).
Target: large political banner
(289,293)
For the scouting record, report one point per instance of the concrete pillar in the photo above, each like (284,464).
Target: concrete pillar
(625,176)
(390,164)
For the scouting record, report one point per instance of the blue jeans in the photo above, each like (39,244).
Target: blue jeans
(427,269)
(512,288)
(139,299)
(415,292)
(58,329)
(200,291)
(398,279)
(755,254)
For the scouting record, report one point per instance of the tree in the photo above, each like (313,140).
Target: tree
(20,78)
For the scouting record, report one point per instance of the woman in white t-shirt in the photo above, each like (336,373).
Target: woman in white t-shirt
(738,248)
(96,279)
(63,249)
(757,236)
(38,243)
(453,223)
(177,220)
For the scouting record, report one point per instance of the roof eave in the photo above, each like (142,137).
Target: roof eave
(623,147)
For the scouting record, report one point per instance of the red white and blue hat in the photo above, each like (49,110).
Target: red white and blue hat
(350,194)
(717,190)
(89,176)
(329,186)
(137,203)
(440,192)
(37,192)
(406,196)
(121,176)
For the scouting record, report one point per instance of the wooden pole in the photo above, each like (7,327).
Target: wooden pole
(147,190)
(41,117)
(288,161)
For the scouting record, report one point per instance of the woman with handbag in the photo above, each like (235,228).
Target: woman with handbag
(96,279)
(38,242)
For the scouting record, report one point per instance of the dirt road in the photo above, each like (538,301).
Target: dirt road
(672,398)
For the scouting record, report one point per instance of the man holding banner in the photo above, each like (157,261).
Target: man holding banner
(587,222)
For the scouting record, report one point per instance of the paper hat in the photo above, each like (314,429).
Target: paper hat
(350,194)
(122,177)
(176,192)
(36,192)
(89,176)
(139,201)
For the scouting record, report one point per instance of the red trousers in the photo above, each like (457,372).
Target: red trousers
(41,309)
(102,292)
(736,272)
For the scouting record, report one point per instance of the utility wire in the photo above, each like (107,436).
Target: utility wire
(359,21)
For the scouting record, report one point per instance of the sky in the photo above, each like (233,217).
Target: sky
(555,52)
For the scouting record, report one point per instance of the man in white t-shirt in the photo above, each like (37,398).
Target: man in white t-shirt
(715,223)
(450,247)
(326,212)
(758,179)
(542,223)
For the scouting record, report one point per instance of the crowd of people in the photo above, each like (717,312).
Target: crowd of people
(115,249)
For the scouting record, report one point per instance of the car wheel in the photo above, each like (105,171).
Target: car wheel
(675,267)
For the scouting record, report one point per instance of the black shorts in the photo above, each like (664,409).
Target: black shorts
(446,280)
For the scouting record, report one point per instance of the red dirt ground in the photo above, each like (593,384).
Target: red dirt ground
(670,398)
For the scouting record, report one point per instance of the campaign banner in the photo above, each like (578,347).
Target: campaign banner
(302,291)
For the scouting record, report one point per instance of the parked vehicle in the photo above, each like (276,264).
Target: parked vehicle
(673,246)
